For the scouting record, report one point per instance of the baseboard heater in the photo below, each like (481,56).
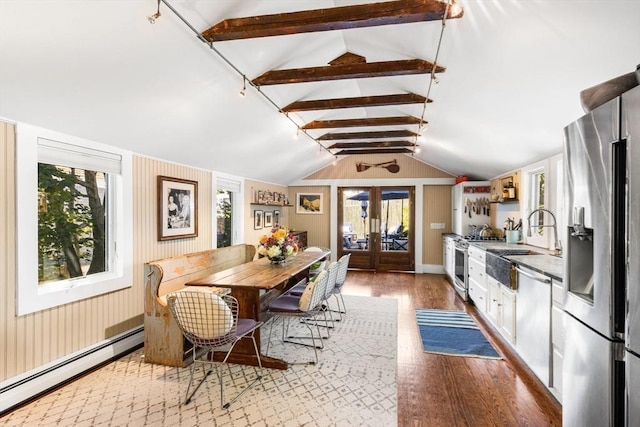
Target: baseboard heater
(17,390)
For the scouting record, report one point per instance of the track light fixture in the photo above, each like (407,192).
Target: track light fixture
(243,92)
(152,18)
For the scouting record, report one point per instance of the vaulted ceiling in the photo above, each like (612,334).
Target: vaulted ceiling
(485,90)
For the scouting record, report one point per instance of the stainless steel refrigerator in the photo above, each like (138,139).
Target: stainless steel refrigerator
(601,367)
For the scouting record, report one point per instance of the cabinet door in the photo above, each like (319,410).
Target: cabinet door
(494,301)
(508,314)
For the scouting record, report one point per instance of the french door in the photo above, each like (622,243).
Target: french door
(376,226)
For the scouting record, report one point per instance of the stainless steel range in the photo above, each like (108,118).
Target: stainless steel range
(461,280)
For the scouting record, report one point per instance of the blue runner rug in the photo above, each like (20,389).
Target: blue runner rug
(454,333)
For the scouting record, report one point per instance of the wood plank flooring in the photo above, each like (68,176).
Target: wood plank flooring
(437,390)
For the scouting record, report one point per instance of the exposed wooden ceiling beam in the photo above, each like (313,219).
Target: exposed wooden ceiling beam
(346,71)
(366,135)
(336,18)
(375,144)
(360,101)
(374,121)
(374,151)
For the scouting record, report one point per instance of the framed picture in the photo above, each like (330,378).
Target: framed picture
(258,220)
(276,217)
(177,208)
(309,203)
(268,219)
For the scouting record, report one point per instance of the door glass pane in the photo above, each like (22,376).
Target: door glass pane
(224,218)
(355,219)
(394,220)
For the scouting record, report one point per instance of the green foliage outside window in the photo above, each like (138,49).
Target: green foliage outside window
(72,239)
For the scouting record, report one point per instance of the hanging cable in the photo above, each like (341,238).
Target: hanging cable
(237,70)
(432,76)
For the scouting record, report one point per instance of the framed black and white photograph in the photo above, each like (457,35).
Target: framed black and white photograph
(309,203)
(177,208)
(276,218)
(268,219)
(258,220)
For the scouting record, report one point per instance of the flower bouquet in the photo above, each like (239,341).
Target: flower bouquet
(278,245)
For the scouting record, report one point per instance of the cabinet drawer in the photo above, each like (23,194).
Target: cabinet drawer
(477,271)
(477,254)
(478,295)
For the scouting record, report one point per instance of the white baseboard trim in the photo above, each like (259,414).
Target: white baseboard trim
(431,269)
(23,387)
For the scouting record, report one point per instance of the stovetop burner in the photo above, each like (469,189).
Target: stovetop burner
(483,238)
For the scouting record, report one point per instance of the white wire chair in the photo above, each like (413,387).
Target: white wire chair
(305,307)
(343,265)
(211,322)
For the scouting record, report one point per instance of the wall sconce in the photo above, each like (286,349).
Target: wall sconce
(152,18)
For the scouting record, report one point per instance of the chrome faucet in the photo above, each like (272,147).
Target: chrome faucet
(556,244)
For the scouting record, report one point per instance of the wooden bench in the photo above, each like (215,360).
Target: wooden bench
(163,340)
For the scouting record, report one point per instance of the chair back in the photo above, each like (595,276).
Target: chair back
(320,265)
(205,319)
(332,277)
(314,293)
(343,265)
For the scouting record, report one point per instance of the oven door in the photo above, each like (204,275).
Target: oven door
(460,279)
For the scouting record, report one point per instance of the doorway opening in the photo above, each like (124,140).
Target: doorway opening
(376,225)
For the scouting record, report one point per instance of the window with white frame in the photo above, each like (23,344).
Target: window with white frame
(74,206)
(227,197)
(535,225)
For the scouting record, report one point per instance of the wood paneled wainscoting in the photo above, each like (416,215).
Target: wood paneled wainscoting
(438,390)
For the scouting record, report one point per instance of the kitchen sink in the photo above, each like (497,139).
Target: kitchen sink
(499,267)
(511,251)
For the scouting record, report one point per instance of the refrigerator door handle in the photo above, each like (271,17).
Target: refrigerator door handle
(542,279)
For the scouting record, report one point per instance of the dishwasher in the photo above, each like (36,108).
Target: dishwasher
(533,322)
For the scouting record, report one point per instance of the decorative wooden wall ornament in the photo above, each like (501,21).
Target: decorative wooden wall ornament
(391,166)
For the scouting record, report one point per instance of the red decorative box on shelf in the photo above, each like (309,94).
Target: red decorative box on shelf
(478,189)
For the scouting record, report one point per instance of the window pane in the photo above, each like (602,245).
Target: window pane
(224,217)
(72,233)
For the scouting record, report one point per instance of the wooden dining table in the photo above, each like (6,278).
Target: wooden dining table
(255,285)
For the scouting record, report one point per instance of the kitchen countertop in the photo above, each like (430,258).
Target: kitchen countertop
(548,265)
(543,262)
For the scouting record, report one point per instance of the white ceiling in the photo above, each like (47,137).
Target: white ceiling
(99,70)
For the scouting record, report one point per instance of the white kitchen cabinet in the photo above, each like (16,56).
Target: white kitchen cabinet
(448,251)
(494,299)
(501,308)
(557,338)
(478,278)
(508,314)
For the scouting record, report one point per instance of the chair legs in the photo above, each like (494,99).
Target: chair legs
(254,382)
(341,310)
(285,329)
(192,372)
(207,372)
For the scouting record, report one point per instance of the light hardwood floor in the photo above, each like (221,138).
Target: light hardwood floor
(437,390)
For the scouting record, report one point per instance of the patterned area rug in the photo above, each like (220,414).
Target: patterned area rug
(453,333)
(354,384)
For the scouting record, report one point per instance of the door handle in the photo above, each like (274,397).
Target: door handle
(531,276)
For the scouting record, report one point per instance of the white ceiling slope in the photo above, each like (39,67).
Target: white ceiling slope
(514,71)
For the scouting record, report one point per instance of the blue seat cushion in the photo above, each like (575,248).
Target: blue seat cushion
(245,326)
(285,304)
